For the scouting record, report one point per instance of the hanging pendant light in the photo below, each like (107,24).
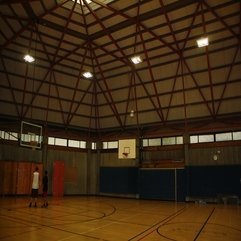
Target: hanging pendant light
(132,113)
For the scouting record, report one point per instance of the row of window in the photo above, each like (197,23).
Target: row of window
(66,142)
(162,141)
(227,136)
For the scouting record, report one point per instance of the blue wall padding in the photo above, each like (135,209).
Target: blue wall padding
(213,180)
(192,181)
(181,185)
(119,180)
(157,184)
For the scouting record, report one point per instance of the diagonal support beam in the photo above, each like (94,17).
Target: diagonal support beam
(29,23)
(110,99)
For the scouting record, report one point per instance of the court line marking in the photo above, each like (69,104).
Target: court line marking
(154,226)
(204,224)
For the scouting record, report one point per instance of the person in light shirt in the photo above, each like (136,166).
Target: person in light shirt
(35,187)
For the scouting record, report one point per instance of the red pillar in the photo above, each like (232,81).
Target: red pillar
(58,179)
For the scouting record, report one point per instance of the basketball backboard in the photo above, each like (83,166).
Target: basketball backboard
(127,149)
(31,135)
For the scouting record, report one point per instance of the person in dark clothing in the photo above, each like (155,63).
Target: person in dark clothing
(45,189)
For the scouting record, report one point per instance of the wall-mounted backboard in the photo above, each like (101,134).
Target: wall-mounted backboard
(31,135)
(127,149)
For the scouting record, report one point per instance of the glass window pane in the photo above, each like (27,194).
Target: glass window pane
(93,145)
(83,144)
(74,143)
(25,137)
(38,138)
(193,139)
(155,142)
(179,140)
(206,138)
(237,135)
(112,144)
(105,145)
(13,136)
(6,135)
(60,142)
(168,141)
(224,136)
(145,142)
(51,140)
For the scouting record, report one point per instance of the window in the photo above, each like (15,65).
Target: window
(83,144)
(13,136)
(113,144)
(105,145)
(145,142)
(237,135)
(60,142)
(223,136)
(154,142)
(179,140)
(201,138)
(73,143)
(164,141)
(110,144)
(193,139)
(93,146)
(51,140)
(206,138)
(168,141)
(30,137)
(174,140)
(77,144)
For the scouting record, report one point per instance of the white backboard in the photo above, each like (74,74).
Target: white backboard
(127,149)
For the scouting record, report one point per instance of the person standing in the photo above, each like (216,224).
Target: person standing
(45,190)
(35,187)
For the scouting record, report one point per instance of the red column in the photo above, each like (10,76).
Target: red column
(58,179)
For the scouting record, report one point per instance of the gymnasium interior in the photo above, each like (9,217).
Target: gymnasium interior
(121,101)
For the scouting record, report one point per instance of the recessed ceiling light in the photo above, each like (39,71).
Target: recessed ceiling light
(202,42)
(82,2)
(28,58)
(136,59)
(87,74)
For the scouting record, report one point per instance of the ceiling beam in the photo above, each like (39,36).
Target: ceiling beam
(142,17)
(7,2)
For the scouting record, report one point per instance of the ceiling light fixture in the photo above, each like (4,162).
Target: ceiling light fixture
(136,59)
(202,42)
(132,113)
(28,58)
(87,75)
(82,2)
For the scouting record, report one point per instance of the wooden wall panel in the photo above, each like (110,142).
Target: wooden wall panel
(16,177)
(10,178)
(1,176)
(24,178)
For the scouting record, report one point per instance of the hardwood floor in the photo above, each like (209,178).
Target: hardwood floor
(117,219)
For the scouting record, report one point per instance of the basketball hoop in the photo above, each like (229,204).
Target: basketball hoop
(125,154)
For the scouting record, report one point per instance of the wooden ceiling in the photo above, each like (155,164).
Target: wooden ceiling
(177,82)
